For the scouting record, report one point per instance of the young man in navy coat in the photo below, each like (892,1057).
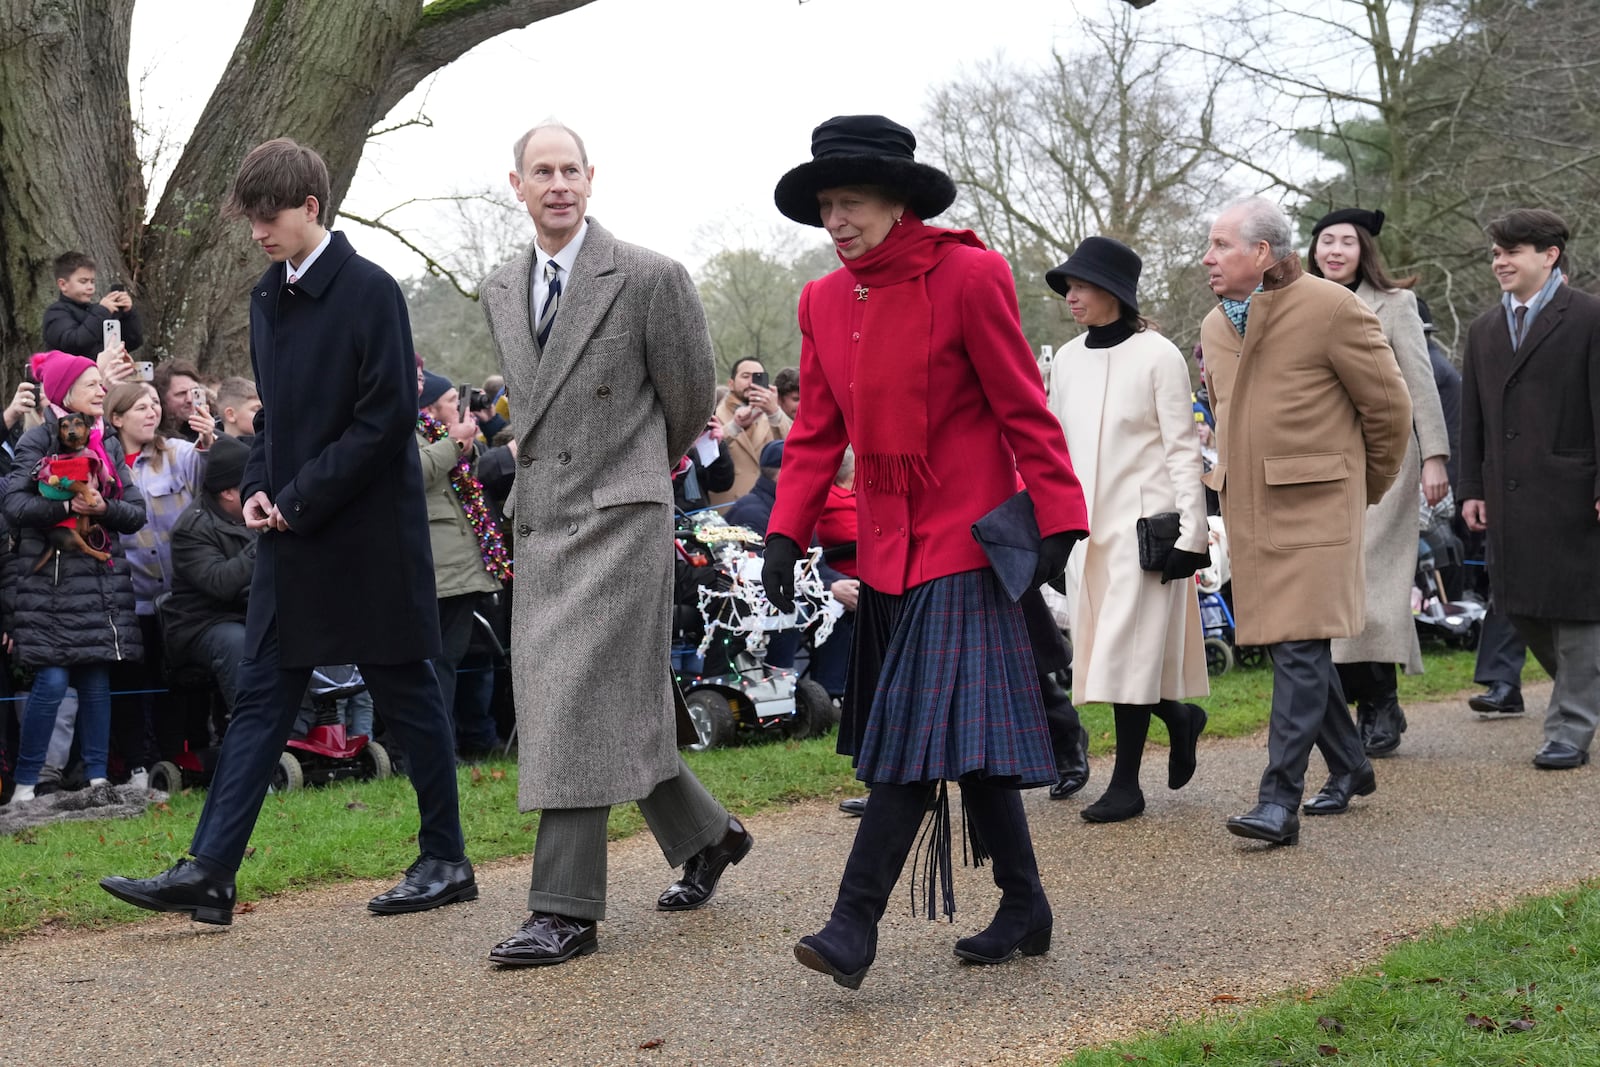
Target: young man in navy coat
(334,485)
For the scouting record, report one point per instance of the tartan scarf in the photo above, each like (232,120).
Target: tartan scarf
(891,361)
(469,491)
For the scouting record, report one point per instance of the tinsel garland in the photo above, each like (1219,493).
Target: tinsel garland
(470,492)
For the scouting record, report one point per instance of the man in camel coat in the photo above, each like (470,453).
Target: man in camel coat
(609,366)
(1313,420)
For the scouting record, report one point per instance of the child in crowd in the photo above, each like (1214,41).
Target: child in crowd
(75,323)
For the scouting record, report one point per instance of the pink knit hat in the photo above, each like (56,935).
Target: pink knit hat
(58,372)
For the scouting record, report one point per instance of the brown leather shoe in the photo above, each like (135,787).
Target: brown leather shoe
(546,939)
(704,869)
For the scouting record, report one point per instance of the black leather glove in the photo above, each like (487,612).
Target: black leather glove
(777,571)
(1181,564)
(1053,553)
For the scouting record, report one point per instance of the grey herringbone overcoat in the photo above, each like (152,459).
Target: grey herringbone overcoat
(621,390)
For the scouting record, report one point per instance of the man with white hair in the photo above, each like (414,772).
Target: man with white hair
(1312,423)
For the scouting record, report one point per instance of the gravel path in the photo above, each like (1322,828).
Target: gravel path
(1154,918)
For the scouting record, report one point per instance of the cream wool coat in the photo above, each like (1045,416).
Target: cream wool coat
(1129,420)
(1313,418)
(1390,635)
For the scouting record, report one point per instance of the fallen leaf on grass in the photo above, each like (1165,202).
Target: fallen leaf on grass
(477,775)
(1327,1050)
(1481,1022)
(355,805)
(497,774)
(654,1042)
(1523,1025)
(249,851)
(164,806)
(1206,1050)
(1326,1022)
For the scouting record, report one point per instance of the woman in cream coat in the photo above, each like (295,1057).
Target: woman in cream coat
(1344,250)
(1122,394)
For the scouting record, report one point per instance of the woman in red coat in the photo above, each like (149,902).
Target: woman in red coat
(912,352)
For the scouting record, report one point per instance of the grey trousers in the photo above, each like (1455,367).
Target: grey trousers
(1308,708)
(569,855)
(1570,653)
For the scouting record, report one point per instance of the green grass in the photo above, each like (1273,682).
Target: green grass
(1520,987)
(367,830)
(1241,699)
(49,875)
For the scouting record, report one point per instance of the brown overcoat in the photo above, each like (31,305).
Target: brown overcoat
(1530,449)
(1313,420)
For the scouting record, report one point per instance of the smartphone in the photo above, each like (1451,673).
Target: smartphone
(112,330)
(38,396)
(464,401)
(198,397)
(759,378)
(144,370)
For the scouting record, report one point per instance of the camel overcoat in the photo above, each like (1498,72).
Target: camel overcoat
(1390,635)
(1530,450)
(621,390)
(1129,419)
(1312,423)
(744,447)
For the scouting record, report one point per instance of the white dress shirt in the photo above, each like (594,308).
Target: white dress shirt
(293,273)
(564,259)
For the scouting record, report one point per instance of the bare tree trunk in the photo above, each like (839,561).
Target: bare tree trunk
(321,72)
(69,171)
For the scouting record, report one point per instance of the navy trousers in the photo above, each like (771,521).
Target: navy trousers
(1308,708)
(268,699)
(1501,652)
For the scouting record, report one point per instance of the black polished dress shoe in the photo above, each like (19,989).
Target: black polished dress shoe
(703,870)
(1267,822)
(186,886)
(546,939)
(429,883)
(1559,756)
(1074,775)
(1335,795)
(1502,699)
(1116,805)
(856,806)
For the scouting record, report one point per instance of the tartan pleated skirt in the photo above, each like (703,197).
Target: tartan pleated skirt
(943,685)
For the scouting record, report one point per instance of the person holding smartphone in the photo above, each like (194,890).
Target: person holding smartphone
(751,419)
(75,323)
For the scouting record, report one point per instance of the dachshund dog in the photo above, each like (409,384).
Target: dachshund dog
(73,472)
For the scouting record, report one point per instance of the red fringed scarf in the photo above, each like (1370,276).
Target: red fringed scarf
(891,424)
(470,492)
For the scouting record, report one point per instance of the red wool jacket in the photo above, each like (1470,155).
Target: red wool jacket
(987,422)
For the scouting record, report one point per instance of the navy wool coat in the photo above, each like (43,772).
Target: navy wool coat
(352,580)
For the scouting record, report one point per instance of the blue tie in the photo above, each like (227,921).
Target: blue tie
(547,316)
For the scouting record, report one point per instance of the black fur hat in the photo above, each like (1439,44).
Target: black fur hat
(863,150)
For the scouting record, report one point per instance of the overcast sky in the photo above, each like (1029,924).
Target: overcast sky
(691,109)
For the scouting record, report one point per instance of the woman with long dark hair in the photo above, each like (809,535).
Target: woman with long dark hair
(1122,393)
(1344,249)
(912,352)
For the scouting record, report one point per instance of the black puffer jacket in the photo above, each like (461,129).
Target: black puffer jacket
(75,610)
(213,560)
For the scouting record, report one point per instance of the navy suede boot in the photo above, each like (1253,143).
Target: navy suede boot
(847,945)
(1023,922)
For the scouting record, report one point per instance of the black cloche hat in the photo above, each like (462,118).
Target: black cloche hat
(1101,261)
(1371,221)
(863,150)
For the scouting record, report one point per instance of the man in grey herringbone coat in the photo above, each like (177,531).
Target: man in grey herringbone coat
(609,369)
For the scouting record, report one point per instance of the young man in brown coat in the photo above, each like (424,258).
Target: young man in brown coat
(1530,468)
(1312,424)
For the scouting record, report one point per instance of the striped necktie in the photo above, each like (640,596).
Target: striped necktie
(547,315)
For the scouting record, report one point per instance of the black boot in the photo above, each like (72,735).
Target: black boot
(1185,723)
(1022,923)
(1068,738)
(846,946)
(1123,799)
(1388,719)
